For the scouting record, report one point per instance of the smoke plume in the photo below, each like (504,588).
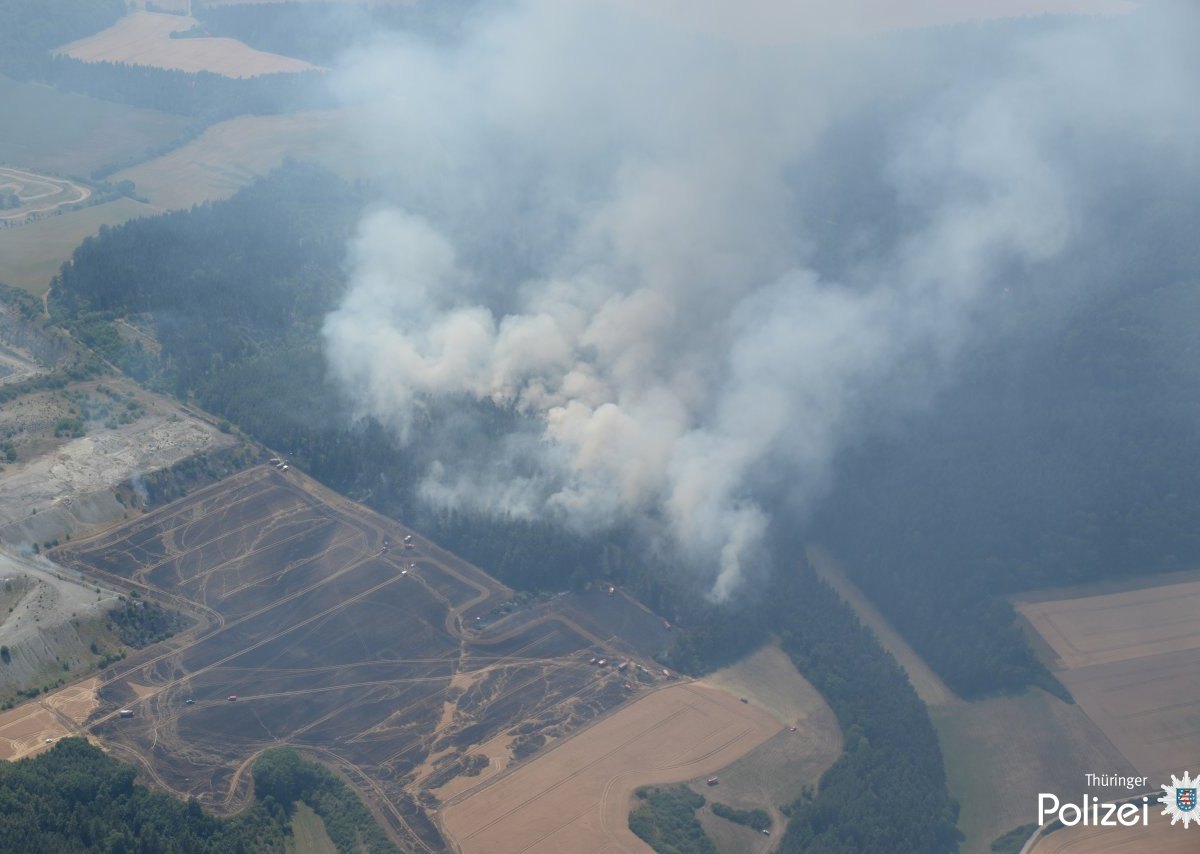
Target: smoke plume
(621,228)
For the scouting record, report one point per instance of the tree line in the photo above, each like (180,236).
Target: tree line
(34,28)
(76,798)
(236,291)
(320,32)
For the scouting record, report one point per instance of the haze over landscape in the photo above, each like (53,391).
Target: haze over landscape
(665,321)
(596,425)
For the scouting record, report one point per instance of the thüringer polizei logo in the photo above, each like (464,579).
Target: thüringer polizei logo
(1180,799)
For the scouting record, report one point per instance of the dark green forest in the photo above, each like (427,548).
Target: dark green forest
(75,798)
(32,28)
(756,819)
(202,95)
(1063,453)
(250,354)
(139,623)
(887,791)
(283,776)
(665,819)
(1060,455)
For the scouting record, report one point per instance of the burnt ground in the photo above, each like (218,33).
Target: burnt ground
(329,646)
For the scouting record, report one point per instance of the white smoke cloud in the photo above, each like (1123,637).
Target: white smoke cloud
(601,228)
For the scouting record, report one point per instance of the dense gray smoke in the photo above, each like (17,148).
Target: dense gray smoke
(601,221)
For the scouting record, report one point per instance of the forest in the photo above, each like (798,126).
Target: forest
(887,791)
(283,776)
(1057,457)
(32,28)
(1062,453)
(202,95)
(75,798)
(665,819)
(250,354)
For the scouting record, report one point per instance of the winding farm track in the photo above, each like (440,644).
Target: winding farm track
(39,193)
(333,642)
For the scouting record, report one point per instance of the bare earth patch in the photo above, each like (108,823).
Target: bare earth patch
(29,729)
(75,702)
(576,797)
(144,38)
(68,485)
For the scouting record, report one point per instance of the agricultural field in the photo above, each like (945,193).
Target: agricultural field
(43,129)
(144,38)
(231,154)
(396,663)
(1130,660)
(32,253)
(776,772)
(1160,837)
(33,727)
(309,832)
(577,796)
(1000,753)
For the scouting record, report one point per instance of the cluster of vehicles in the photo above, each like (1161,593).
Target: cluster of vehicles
(128,713)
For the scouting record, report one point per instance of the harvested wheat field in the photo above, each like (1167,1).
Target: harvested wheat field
(577,796)
(33,727)
(1160,837)
(233,153)
(1129,659)
(1119,626)
(144,38)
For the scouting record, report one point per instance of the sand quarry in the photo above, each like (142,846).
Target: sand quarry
(59,486)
